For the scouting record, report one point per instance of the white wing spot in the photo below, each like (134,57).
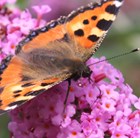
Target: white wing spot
(118,3)
(10,107)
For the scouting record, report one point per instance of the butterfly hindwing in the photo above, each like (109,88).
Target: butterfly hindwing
(21,92)
(31,73)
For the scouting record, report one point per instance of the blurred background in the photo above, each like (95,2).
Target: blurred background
(123,36)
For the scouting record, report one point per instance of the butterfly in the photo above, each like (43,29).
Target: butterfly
(54,53)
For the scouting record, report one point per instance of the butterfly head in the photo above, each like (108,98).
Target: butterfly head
(84,72)
(79,69)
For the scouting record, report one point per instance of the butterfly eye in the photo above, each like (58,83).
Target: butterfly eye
(87,72)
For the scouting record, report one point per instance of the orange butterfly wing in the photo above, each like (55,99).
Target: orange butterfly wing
(41,37)
(15,88)
(89,25)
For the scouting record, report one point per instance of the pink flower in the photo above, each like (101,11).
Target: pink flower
(2,2)
(137,104)
(108,105)
(40,10)
(109,91)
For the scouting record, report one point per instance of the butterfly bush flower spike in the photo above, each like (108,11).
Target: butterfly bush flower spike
(96,109)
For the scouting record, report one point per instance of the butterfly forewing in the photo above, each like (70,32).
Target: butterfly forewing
(88,25)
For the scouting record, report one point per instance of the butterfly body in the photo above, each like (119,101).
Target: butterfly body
(54,53)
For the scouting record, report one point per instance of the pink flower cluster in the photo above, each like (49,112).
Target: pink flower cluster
(105,107)
(99,109)
(16,24)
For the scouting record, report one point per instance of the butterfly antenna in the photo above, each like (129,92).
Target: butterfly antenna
(123,54)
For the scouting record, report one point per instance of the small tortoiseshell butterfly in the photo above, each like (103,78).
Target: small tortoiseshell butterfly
(54,53)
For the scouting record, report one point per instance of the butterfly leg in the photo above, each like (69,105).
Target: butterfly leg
(90,80)
(67,94)
(100,94)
